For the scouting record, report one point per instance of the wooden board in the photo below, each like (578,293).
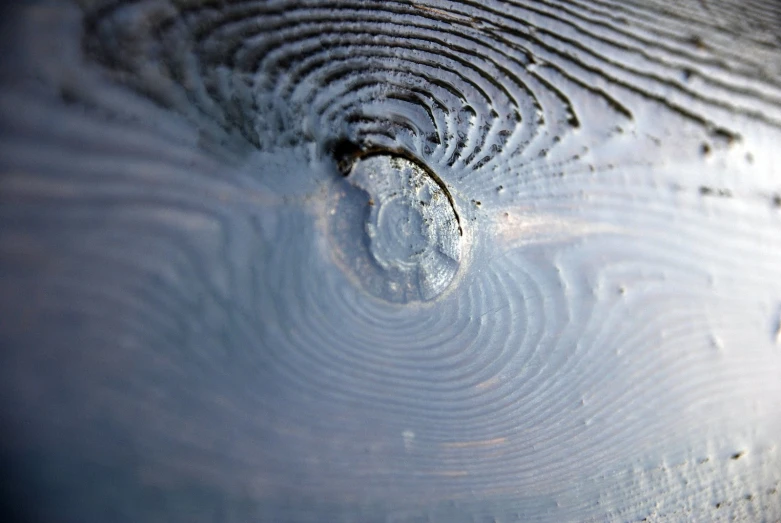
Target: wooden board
(188,328)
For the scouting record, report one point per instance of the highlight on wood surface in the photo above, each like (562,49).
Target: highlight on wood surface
(394,261)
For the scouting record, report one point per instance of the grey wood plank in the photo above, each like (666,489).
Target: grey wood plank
(210,312)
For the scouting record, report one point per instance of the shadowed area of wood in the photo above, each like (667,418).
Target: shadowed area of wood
(200,320)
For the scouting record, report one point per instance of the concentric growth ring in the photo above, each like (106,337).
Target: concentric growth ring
(396,229)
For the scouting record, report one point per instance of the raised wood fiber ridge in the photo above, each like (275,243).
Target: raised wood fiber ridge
(196,324)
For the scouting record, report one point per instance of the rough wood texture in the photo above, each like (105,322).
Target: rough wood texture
(182,339)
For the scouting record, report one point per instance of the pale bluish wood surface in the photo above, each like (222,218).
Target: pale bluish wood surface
(183,338)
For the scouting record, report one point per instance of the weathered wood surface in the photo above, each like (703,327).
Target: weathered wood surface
(183,340)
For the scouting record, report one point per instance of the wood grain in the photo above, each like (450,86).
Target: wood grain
(182,340)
